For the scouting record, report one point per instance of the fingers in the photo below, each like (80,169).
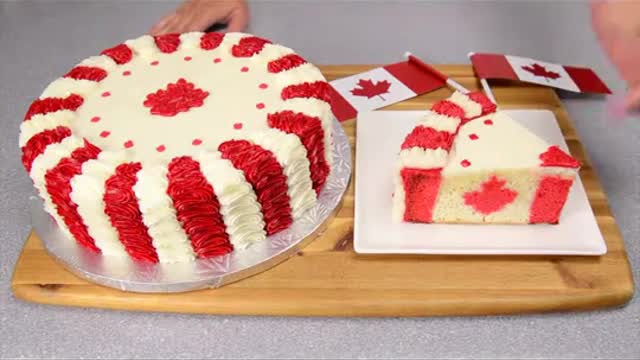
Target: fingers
(238,19)
(632,101)
(160,26)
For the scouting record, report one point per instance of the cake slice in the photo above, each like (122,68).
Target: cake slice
(465,162)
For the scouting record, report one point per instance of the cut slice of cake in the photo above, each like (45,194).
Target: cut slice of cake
(468,163)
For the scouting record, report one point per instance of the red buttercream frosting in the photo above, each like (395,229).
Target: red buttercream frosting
(428,138)
(91,73)
(549,200)
(211,40)
(286,62)
(448,108)
(167,43)
(554,156)
(197,208)
(249,46)
(265,174)
(421,187)
(39,142)
(121,205)
(493,196)
(58,185)
(51,104)
(318,90)
(121,54)
(177,97)
(309,130)
(487,105)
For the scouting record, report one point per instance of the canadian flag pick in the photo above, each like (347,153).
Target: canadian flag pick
(380,87)
(499,66)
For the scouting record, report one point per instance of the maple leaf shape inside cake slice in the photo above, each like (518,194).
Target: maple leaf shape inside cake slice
(468,163)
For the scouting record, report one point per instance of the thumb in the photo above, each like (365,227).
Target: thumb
(238,20)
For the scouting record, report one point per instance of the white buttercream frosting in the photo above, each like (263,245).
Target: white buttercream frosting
(440,122)
(88,189)
(238,202)
(292,156)
(64,87)
(43,122)
(470,107)
(419,158)
(158,214)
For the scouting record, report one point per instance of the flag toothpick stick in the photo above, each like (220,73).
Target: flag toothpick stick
(428,68)
(485,85)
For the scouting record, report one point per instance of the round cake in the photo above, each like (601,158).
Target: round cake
(181,146)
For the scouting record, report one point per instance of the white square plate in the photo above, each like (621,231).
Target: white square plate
(380,135)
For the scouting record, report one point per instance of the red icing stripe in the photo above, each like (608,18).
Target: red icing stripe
(554,156)
(428,138)
(121,54)
(51,104)
(249,46)
(211,40)
(58,184)
(87,73)
(265,174)
(319,90)
(167,43)
(421,187)
(197,208)
(39,142)
(448,108)
(488,107)
(121,205)
(309,130)
(549,200)
(286,62)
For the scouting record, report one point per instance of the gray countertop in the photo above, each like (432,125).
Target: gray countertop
(40,40)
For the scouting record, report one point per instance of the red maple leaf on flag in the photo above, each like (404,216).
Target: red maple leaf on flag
(539,70)
(368,89)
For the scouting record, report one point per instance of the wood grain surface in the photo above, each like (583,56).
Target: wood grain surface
(328,279)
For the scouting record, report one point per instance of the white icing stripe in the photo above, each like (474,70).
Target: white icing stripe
(43,122)
(292,156)
(304,73)
(190,41)
(144,46)
(87,192)
(63,87)
(101,61)
(47,161)
(271,52)
(315,108)
(470,107)
(440,122)
(399,203)
(229,40)
(167,235)
(239,206)
(419,158)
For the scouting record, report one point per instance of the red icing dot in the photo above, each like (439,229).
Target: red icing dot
(473,137)
(187,58)
(105,133)
(244,69)
(196,142)
(260,106)
(161,148)
(217,60)
(95,119)
(126,73)
(465,163)
(263,86)
(237,126)
(106,94)
(488,122)
(155,62)
(128,144)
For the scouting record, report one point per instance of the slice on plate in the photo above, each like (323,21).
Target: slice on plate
(468,163)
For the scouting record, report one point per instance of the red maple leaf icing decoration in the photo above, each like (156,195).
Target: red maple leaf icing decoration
(369,89)
(177,97)
(493,196)
(539,70)
(554,156)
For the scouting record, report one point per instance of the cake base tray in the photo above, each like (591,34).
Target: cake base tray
(327,278)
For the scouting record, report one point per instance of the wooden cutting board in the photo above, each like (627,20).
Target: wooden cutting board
(328,279)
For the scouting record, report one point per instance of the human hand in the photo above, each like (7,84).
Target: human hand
(198,15)
(617,24)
